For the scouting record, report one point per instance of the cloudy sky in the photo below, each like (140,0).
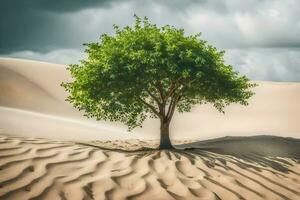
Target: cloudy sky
(261,37)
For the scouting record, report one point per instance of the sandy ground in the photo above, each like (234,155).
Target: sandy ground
(31,99)
(32,168)
(84,159)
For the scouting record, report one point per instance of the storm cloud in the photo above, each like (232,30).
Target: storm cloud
(261,37)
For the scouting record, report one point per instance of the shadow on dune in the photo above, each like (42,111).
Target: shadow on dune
(268,151)
(257,166)
(246,152)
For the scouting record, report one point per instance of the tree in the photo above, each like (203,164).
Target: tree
(146,71)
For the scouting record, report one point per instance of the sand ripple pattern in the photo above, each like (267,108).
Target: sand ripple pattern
(45,169)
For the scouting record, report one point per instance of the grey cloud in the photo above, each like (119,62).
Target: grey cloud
(40,25)
(279,64)
(252,23)
(261,36)
(45,25)
(53,6)
(60,56)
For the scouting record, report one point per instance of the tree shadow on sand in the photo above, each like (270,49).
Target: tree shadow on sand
(267,151)
(246,152)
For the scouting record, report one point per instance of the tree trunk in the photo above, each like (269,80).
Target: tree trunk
(165,142)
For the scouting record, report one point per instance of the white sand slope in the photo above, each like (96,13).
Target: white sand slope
(46,169)
(21,122)
(32,99)
(35,87)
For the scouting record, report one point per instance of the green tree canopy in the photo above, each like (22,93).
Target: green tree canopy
(149,71)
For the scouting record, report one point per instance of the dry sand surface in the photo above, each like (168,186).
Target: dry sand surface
(32,99)
(32,168)
(81,158)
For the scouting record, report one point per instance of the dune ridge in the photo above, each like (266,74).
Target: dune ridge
(35,168)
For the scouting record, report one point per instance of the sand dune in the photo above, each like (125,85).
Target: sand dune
(33,168)
(21,122)
(20,92)
(35,86)
(31,99)
(78,166)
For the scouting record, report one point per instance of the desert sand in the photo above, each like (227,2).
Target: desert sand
(32,168)
(31,99)
(48,150)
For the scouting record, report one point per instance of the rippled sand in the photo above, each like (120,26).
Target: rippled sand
(46,169)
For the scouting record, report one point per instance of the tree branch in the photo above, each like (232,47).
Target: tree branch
(174,102)
(185,85)
(154,97)
(172,107)
(151,107)
(160,90)
(172,89)
(171,93)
